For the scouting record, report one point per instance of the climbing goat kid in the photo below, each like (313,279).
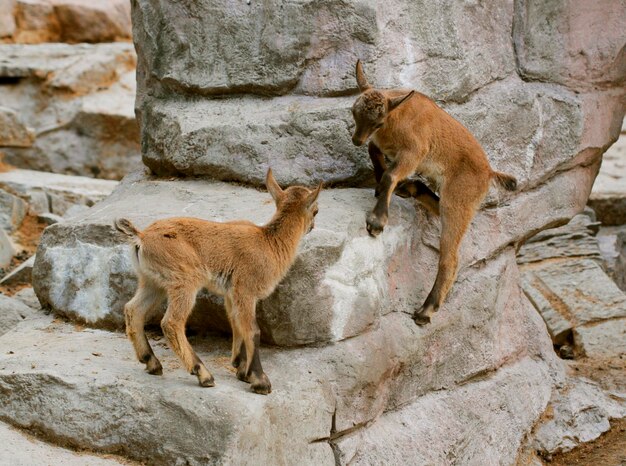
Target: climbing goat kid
(417,136)
(243,262)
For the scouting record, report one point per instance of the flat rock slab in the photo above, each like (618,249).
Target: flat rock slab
(606,339)
(338,286)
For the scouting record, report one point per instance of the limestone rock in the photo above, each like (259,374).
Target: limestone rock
(52,193)
(12,211)
(563,276)
(78,100)
(7,250)
(12,312)
(558,41)
(270,51)
(608,197)
(71,21)
(581,413)
(13,133)
(612,243)
(19,449)
(7,18)
(21,274)
(604,339)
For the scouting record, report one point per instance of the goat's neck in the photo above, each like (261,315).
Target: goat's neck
(283,233)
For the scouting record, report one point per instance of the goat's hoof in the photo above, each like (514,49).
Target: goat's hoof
(377,191)
(241,375)
(153,366)
(421,319)
(261,385)
(207,381)
(374,225)
(235,362)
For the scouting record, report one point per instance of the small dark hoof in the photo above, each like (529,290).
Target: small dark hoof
(207,381)
(261,385)
(374,225)
(377,191)
(241,375)
(153,366)
(421,319)
(236,362)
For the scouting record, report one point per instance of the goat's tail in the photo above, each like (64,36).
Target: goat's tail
(125,226)
(508,182)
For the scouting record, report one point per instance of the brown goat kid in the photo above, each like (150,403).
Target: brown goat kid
(417,136)
(239,260)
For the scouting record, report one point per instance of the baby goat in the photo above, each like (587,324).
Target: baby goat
(417,136)
(243,262)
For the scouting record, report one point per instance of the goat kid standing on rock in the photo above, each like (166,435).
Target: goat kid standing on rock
(239,260)
(417,136)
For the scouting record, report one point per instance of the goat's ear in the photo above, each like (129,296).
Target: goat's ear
(313,196)
(396,101)
(361,80)
(272,186)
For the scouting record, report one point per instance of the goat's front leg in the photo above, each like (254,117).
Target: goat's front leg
(146,300)
(379,164)
(401,169)
(181,302)
(250,369)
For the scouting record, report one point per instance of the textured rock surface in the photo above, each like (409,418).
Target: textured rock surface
(77,103)
(581,412)
(612,243)
(13,132)
(51,193)
(12,211)
(319,394)
(563,276)
(608,197)
(20,274)
(12,312)
(18,449)
(7,249)
(35,21)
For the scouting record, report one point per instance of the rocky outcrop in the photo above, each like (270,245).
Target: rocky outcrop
(563,276)
(73,21)
(69,108)
(254,87)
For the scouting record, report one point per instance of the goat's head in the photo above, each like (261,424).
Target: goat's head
(295,200)
(371,108)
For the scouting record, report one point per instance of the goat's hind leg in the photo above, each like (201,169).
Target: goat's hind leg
(238,352)
(181,302)
(250,369)
(139,309)
(455,219)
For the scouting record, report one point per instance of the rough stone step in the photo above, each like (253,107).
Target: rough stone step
(339,285)
(341,282)
(21,274)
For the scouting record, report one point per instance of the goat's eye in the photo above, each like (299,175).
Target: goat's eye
(315,212)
